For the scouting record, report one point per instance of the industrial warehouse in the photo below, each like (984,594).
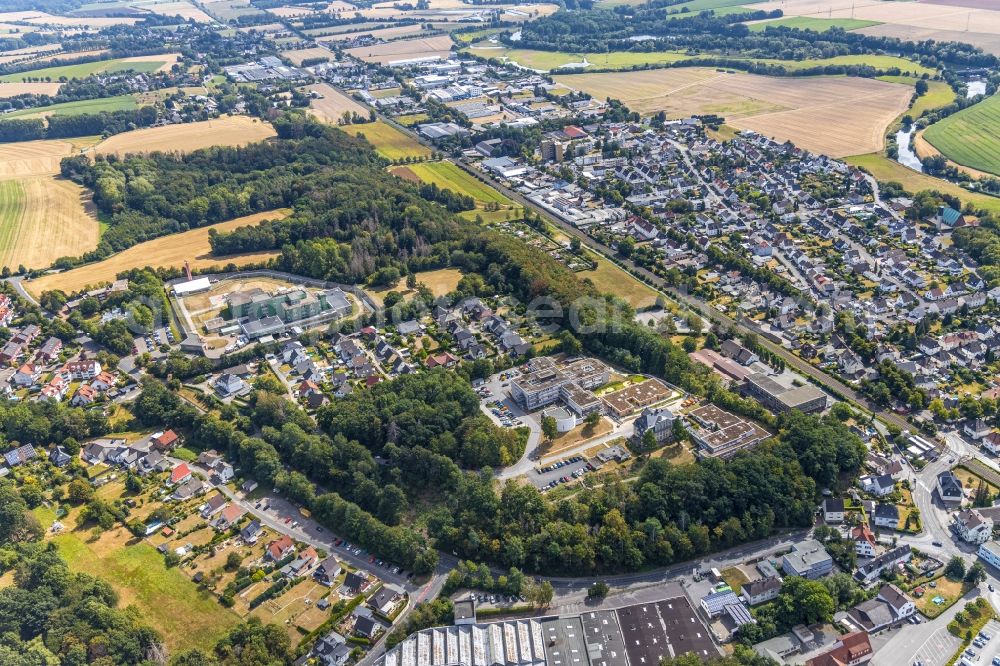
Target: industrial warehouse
(632,636)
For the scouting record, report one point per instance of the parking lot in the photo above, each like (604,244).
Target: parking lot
(495,395)
(562,471)
(985,647)
(937,649)
(151,342)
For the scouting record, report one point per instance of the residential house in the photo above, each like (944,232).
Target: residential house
(886,515)
(228,384)
(164,441)
(20,455)
(976,429)
(280,548)
(251,532)
(327,571)
(190,488)
(761,590)
(869,572)
(357,582)
(27,375)
(833,510)
(49,351)
(366,627)
(59,457)
(864,541)
(880,486)
(83,369)
(214,505)
(890,607)
(386,600)
(229,518)
(972,526)
(331,650)
(852,649)
(949,489)
(179,474)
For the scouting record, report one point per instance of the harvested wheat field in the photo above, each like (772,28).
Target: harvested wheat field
(185,10)
(404,50)
(331,107)
(298,55)
(394,32)
(173,250)
(43,218)
(15,89)
(94,22)
(984,40)
(185,137)
(807,111)
(27,53)
(977,25)
(32,158)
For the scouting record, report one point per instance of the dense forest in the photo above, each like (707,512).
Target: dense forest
(351,219)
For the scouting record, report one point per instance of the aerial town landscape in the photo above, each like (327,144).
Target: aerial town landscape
(499,332)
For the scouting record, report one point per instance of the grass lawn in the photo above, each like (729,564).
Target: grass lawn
(695,6)
(876,61)
(12,202)
(168,600)
(948,590)
(886,170)
(389,142)
(938,94)
(491,216)
(734,578)
(809,23)
(970,137)
(448,176)
(119,103)
(83,70)
(609,278)
(440,282)
(566,441)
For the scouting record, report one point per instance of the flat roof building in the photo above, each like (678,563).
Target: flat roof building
(780,398)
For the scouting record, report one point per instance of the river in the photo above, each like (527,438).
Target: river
(906,156)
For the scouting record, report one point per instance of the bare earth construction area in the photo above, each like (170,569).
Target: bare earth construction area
(807,111)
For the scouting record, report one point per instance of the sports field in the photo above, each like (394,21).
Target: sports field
(810,23)
(173,250)
(119,103)
(221,131)
(389,142)
(806,110)
(887,170)
(970,137)
(43,218)
(448,176)
(81,70)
